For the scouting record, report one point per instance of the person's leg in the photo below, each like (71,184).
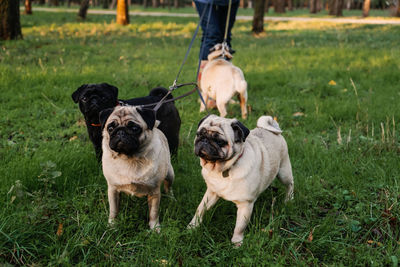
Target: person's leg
(222,13)
(232,19)
(211,28)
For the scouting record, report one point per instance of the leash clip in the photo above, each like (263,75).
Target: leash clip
(173,86)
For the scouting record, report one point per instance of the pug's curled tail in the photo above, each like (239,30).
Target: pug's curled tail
(268,123)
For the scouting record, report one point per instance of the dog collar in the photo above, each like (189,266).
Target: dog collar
(95,124)
(226,172)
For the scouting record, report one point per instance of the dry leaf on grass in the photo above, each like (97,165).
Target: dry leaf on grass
(60,229)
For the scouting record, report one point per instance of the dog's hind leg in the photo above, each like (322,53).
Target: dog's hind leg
(243,98)
(169,180)
(286,177)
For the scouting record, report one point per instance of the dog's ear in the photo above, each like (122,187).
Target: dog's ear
(148,116)
(228,55)
(201,121)
(241,132)
(110,88)
(75,95)
(215,47)
(103,116)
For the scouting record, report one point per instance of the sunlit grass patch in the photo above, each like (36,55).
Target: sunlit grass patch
(155,29)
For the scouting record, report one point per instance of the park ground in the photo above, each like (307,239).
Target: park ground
(334,89)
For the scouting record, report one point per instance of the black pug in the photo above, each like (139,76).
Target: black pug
(93,98)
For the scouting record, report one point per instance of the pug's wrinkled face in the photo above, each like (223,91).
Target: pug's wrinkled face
(93,98)
(219,139)
(127,130)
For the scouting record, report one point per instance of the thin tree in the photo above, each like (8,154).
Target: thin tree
(290,5)
(366,7)
(313,6)
(122,12)
(28,7)
(83,9)
(10,26)
(155,3)
(397,9)
(258,17)
(336,8)
(279,6)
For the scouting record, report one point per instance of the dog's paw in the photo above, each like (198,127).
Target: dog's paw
(156,229)
(192,226)
(237,241)
(111,222)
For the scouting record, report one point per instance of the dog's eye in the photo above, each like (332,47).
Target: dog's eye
(134,127)
(221,143)
(110,128)
(84,99)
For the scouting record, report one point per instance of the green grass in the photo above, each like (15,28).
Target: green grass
(345,210)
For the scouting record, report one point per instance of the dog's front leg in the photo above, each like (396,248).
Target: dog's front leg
(244,210)
(209,200)
(154,204)
(113,202)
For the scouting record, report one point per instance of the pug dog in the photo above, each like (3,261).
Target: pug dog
(136,158)
(238,165)
(93,98)
(221,80)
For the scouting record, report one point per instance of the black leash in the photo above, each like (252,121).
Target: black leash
(173,99)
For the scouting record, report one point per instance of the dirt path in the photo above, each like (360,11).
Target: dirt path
(392,21)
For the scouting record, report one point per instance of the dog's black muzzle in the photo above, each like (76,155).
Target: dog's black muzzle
(207,150)
(123,142)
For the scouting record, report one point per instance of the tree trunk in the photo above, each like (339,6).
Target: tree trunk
(42,2)
(266,6)
(28,7)
(258,17)
(113,3)
(313,6)
(279,6)
(122,12)
(83,9)
(290,5)
(397,10)
(105,4)
(320,5)
(155,3)
(336,7)
(10,28)
(366,6)
(176,3)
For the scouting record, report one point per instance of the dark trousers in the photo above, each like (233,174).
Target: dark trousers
(214,34)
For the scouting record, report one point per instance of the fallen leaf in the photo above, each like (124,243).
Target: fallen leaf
(332,82)
(310,237)
(73,138)
(276,119)
(298,114)
(59,229)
